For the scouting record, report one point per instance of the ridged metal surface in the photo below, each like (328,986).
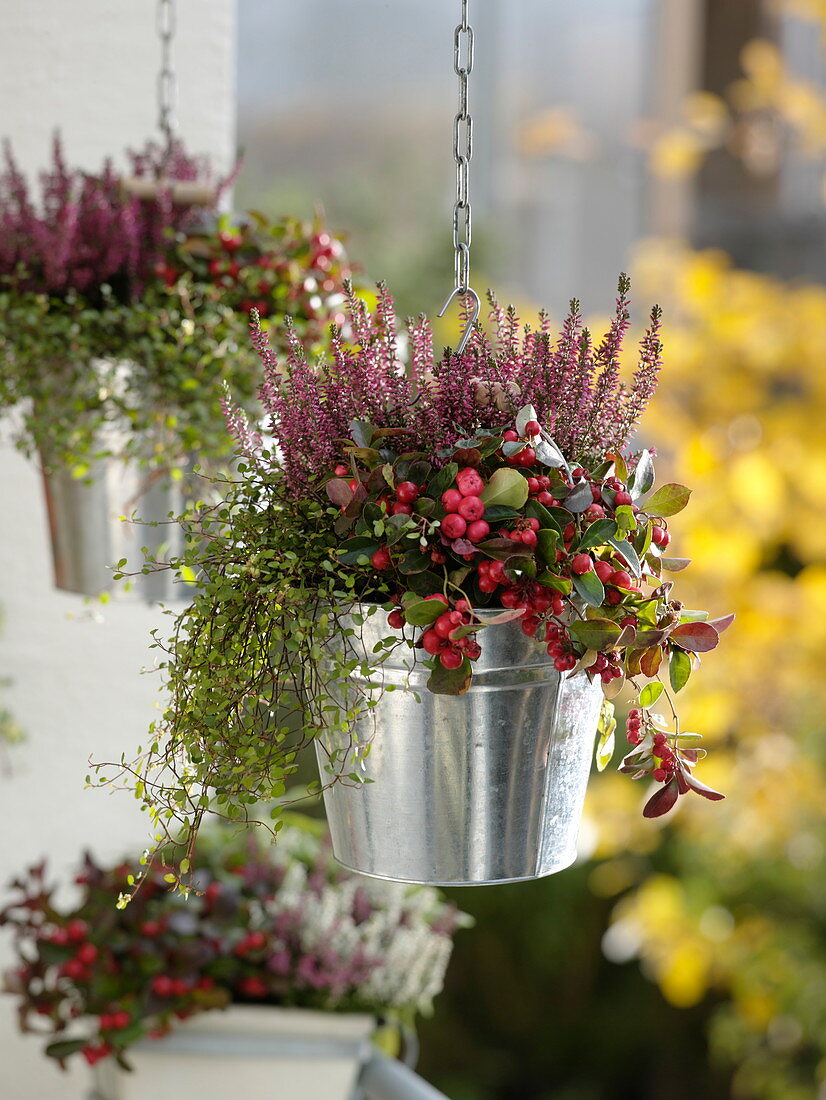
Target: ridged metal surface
(88,537)
(484,787)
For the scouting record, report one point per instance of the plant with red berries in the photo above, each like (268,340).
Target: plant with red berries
(121,316)
(437,494)
(272,925)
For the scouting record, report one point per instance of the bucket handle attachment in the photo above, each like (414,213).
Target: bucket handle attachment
(474,315)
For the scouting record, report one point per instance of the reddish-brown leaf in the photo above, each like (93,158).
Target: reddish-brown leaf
(695,637)
(662,800)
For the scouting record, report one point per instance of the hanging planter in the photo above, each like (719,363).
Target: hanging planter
(477,788)
(431,569)
(280,967)
(119,316)
(432,574)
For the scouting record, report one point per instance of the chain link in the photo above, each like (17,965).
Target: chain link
(462,150)
(167,83)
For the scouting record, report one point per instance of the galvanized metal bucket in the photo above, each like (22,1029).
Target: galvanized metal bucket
(486,787)
(89,536)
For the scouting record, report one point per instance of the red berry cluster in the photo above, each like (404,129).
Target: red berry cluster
(442,639)
(465,508)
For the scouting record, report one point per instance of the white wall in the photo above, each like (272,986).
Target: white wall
(88,67)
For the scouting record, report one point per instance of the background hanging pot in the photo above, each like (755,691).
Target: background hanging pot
(89,534)
(268,1051)
(478,788)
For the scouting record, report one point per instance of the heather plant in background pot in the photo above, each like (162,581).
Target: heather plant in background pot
(440,573)
(123,304)
(275,927)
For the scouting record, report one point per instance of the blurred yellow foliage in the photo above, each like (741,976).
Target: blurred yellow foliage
(740,416)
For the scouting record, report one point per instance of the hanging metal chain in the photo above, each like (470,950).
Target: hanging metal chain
(462,149)
(462,153)
(167,83)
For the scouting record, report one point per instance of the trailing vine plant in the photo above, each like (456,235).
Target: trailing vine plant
(501,481)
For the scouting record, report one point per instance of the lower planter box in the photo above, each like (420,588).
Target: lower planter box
(245,1051)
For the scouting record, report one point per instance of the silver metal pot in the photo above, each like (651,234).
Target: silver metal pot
(88,535)
(480,788)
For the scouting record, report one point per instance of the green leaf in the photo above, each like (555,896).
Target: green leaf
(626,520)
(454,681)
(651,693)
(423,612)
(605,731)
(558,584)
(497,512)
(63,1048)
(679,669)
(642,480)
(548,542)
(352,552)
(414,561)
(443,479)
(589,588)
(675,565)
(668,500)
(629,553)
(506,487)
(597,534)
(538,511)
(579,498)
(595,633)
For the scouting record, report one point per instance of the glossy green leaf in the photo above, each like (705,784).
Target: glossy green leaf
(668,500)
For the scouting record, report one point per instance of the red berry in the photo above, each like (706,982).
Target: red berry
(451,498)
(594,511)
(620,579)
(581,563)
(431,642)
(565,663)
(527,456)
(407,492)
(529,625)
(470,482)
(451,658)
(659,536)
(613,597)
(510,436)
(74,969)
(381,558)
(634,737)
(76,930)
(546,498)
(180,987)
(471,508)
(622,498)
(604,570)
(60,937)
(440,597)
(528,538)
(396,620)
(163,985)
(533,485)
(400,509)
(660,774)
(87,953)
(532,428)
(446,623)
(478,531)
(341,471)
(454,526)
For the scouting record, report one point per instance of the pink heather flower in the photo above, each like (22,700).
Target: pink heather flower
(574,386)
(84,231)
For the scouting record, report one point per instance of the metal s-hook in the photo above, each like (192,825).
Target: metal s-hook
(474,316)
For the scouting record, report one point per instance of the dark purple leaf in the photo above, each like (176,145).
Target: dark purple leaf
(662,800)
(339,491)
(722,623)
